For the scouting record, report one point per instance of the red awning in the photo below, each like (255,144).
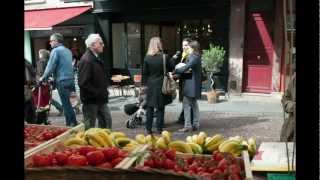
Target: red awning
(44,19)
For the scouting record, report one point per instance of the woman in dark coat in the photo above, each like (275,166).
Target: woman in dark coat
(153,78)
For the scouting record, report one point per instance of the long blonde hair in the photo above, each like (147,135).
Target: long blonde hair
(155,46)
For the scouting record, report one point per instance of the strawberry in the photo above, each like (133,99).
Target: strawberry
(234,169)
(77,160)
(149,163)
(223,164)
(234,177)
(168,164)
(95,157)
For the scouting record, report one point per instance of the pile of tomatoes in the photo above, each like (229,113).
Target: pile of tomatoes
(216,166)
(35,135)
(82,156)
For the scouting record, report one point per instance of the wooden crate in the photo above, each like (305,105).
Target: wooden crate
(245,157)
(52,142)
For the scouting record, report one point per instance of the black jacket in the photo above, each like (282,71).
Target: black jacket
(92,79)
(153,78)
(192,86)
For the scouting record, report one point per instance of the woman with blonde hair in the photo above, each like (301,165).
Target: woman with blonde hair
(152,79)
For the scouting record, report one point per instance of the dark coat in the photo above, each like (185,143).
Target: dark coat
(153,78)
(92,79)
(289,106)
(192,85)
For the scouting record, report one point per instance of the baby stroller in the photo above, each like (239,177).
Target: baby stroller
(136,111)
(41,96)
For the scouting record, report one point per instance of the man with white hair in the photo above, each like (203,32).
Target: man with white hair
(60,65)
(93,85)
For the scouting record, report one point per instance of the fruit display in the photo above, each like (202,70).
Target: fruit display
(101,138)
(107,157)
(200,143)
(218,165)
(34,135)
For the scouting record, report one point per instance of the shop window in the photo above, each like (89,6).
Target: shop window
(119,48)
(169,38)
(149,32)
(134,45)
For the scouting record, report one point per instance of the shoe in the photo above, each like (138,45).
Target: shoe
(185,130)
(195,128)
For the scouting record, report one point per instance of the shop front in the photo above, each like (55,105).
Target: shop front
(129,30)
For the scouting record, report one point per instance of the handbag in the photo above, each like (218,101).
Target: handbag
(168,85)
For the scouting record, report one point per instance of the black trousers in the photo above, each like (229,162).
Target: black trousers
(29,112)
(159,121)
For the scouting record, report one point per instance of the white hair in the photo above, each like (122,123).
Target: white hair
(92,38)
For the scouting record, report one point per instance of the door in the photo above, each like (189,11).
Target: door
(258,53)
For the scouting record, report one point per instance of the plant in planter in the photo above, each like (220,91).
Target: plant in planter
(212,61)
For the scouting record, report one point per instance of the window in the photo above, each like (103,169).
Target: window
(119,45)
(134,45)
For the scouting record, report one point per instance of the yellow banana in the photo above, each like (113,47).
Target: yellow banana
(75,141)
(201,138)
(213,140)
(213,147)
(122,141)
(80,135)
(161,143)
(180,146)
(94,143)
(97,138)
(196,148)
(252,146)
(107,130)
(194,138)
(237,138)
(141,139)
(151,140)
(189,139)
(166,136)
(106,138)
(231,146)
(116,135)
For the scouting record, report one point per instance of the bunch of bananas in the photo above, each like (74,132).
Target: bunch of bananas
(236,144)
(201,143)
(97,137)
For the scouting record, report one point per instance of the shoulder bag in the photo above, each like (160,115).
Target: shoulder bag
(168,85)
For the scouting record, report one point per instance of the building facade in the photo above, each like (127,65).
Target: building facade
(253,33)
(72,18)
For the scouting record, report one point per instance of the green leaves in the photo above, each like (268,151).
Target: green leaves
(213,57)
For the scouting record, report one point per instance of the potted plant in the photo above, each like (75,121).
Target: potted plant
(212,61)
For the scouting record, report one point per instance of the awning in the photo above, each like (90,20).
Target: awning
(44,19)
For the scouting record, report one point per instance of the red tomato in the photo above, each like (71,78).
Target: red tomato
(169,164)
(77,160)
(95,157)
(193,166)
(110,153)
(40,160)
(234,177)
(85,149)
(234,169)
(122,153)
(217,156)
(149,163)
(171,154)
(158,163)
(61,158)
(223,164)
(116,161)
(201,169)
(105,165)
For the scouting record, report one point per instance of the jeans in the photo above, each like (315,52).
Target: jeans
(160,119)
(64,88)
(93,111)
(191,105)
